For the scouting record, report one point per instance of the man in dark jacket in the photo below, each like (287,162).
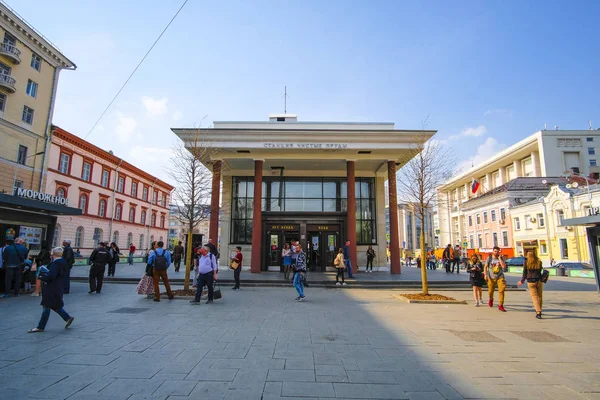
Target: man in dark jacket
(69,258)
(13,261)
(52,291)
(213,249)
(177,254)
(99,258)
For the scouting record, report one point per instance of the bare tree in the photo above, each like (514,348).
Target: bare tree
(426,166)
(192,194)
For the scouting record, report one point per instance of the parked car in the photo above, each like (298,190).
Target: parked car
(514,262)
(572,265)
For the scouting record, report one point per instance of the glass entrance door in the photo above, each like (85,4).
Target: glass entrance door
(314,251)
(333,245)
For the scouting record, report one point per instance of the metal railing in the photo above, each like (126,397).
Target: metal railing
(12,49)
(8,80)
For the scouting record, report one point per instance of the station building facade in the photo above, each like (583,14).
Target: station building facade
(320,183)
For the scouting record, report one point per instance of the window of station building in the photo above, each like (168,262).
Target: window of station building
(154,197)
(493,215)
(162,221)
(153,219)
(164,200)
(591,151)
(145,193)
(505,238)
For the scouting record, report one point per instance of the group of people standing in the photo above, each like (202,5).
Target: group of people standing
(491,273)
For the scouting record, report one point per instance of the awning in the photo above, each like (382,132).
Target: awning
(587,220)
(22,204)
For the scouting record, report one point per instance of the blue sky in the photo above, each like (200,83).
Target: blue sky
(488,73)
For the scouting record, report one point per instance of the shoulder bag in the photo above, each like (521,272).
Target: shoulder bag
(544,276)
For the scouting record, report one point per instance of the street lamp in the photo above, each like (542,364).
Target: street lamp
(24,163)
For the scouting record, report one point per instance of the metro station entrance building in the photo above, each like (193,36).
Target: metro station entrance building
(320,183)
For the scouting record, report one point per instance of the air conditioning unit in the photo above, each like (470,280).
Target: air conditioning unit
(569,228)
(532,219)
(502,222)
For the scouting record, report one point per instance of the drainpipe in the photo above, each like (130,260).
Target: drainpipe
(49,122)
(112,218)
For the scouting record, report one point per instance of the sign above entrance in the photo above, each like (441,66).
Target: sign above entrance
(306,146)
(322,227)
(46,198)
(284,227)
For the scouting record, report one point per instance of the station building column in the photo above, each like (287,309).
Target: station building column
(214,202)
(257,218)
(350,172)
(395,267)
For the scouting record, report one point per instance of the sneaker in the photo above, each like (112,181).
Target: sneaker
(501,308)
(233,288)
(157,300)
(302,298)
(35,294)
(491,303)
(337,284)
(195,302)
(69,322)
(298,298)
(344,283)
(90,292)
(477,303)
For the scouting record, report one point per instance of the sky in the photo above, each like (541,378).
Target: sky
(485,74)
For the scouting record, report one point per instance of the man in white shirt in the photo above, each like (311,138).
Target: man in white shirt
(207,275)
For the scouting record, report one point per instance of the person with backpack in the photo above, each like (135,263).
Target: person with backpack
(532,272)
(207,274)
(99,258)
(340,265)
(160,259)
(494,275)
(13,261)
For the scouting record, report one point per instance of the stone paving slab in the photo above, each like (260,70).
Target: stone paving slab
(259,343)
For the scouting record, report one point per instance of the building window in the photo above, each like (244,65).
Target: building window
(540,221)
(98,236)
(564,249)
(145,193)
(129,239)
(470,220)
(143,218)
(151,239)
(154,197)
(479,241)
(22,155)
(18,184)
(162,221)
(32,88)
(560,215)
(133,189)
(485,217)
(120,184)
(543,248)
(65,161)
(141,242)
(116,238)
(495,238)
(591,151)
(153,220)
(478,219)
(118,210)
(593,163)
(79,237)
(27,116)
(505,238)
(102,208)
(2,101)
(83,200)
(493,215)
(590,139)
(56,238)
(105,178)
(517,224)
(60,192)
(36,62)
(131,214)
(164,200)
(471,244)
(487,240)
(527,222)
(569,142)
(503,214)
(86,172)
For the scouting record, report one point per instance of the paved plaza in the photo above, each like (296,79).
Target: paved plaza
(258,343)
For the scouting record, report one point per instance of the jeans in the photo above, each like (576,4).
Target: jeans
(162,274)
(369,262)
(130,259)
(12,273)
(96,277)
(298,284)
(349,267)
(46,314)
(340,272)
(456,262)
(111,269)
(236,276)
(177,262)
(205,279)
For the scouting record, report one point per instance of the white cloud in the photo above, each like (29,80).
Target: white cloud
(486,150)
(500,111)
(177,115)
(470,132)
(125,128)
(155,107)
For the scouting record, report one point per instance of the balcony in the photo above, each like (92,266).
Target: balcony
(7,82)
(11,52)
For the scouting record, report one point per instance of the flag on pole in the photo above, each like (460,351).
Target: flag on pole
(474,186)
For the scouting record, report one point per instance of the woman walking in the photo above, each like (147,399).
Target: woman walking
(370,257)
(286,253)
(146,284)
(340,265)
(52,291)
(299,271)
(475,270)
(532,271)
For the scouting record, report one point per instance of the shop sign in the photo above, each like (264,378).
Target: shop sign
(284,227)
(46,198)
(322,227)
(593,211)
(305,146)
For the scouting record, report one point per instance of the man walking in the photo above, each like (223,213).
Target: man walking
(99,258)
(69,257)
(131,253)
(494,275)
(13,261)
(347,259)
(456,259)
(299,271)
(160,259)
(207,274)
(177,254)
(448,257)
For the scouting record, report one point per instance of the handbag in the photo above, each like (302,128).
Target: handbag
(149,270)
(217,292)
(545,276)
(234,264)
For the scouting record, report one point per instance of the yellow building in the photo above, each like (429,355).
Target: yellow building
(538,224)
(29,69)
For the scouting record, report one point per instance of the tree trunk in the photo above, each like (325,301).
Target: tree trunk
(188,260)
(424,262)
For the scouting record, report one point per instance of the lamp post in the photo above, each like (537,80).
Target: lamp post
(24,163)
